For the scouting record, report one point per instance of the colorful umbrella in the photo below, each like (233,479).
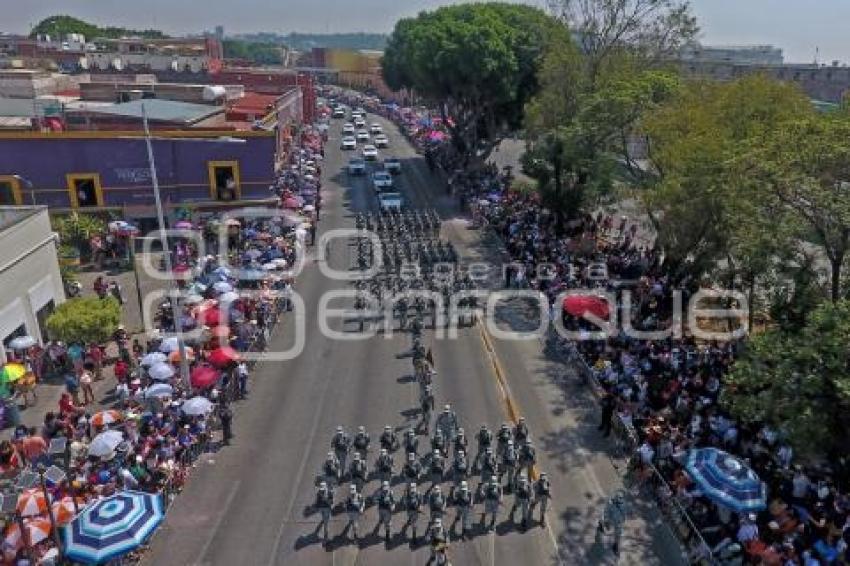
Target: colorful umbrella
(291,203)
(63,511)
(224,356)
(153,358)
(222,287)
(174,357)
(22,342)
(105,443)
(12,372)
(579,305)
(159,390)
(31,502)
(161,372)
(197,406)
(38,529)
(107,417)
(204,377)
(726,480)
(111,527)
(169,344)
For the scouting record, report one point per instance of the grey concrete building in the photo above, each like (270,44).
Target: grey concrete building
(30,284)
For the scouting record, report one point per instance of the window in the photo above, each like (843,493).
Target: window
(224,180)
(84,190)
(10,190)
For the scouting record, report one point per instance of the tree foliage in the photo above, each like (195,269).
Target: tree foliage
(798,382)
(76,229)
(85,319)
(477,62)
(260,53)
(60,26)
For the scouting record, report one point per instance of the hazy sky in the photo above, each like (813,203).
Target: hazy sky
(798,26)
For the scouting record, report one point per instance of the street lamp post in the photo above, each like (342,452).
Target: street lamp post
(175,307)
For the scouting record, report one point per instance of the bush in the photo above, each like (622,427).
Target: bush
(75,230)
(85,319)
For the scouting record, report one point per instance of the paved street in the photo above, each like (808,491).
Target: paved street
(248,503)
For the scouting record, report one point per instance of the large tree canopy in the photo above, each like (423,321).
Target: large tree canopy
(477,62)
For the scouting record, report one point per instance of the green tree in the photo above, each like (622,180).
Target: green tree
(702,204)
(260,53)
(477,62)
(76,229)
(60,26)
(798,381)
(804,168)
(86,319)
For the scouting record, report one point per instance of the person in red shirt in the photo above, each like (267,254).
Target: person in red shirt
(121,370)
(95,354)
(34,447)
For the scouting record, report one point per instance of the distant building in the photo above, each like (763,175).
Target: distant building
(29,272)
(738,54)
(161,114)
(269,81)
(356,68)
(219,32)
(108,171)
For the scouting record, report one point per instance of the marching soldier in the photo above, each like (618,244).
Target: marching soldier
(355,506)
(427,406)
(411,442)
(542,495)
(463,503)
(527,456)
(341,444)
(485,441)
(331,470)
(489,466)
(460,468)
(492,500)
(502,438)
(522,501)
(412,469)
(520,431)
(324,504)
(362,441)
(413,506)
(386,505)
(438,442)
(461,443)
(384,465)
(357,473)
(447,423)
(437,503)
(439,540)
(509,466)
(437,468)
(389,440)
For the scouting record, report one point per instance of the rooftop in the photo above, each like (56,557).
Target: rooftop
(160,110)
(11,215)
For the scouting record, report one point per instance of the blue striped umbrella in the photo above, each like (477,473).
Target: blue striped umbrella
(726,480)
(111,527)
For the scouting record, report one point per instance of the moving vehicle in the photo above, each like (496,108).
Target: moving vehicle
(381,140)
(348,129)
(375,129)
(392,165)
(382,181)
(362,136)
(359,122)
(370,153)
(356,166)
(339,112)
(390,201)
(348,142)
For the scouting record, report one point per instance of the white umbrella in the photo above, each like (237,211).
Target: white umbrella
(193,299)
(270,266)
(22,342)
(158,390)
(170,344)
(223,287)
(280,262)
(309,208)
(229,297)
(161,371)
(105,443)
(223,271)
(197,406)
(152,358)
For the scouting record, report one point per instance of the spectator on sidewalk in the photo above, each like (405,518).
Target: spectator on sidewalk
(115,291)
(72,387)
(100,287)
(34,447)
(95,356)
(86,380)
(75,353)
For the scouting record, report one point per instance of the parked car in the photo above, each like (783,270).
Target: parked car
(392,165)
(356,166)
(382,181)
(370,153)
(362,136)
(348,142)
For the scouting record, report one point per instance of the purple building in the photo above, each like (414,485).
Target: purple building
(108,171)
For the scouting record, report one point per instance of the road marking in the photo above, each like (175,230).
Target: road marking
(218,521)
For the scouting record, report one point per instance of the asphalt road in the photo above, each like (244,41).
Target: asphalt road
(248,504)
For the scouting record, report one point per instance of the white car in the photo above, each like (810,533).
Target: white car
(359,122)
(348,142)
(356,166)
(382,180)
(375,129)
(348,129)
(390,201)
(370,153)
(363,136)
(392,165)
(339,112)
(381,140)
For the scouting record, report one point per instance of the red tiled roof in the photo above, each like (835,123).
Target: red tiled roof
(254,102)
